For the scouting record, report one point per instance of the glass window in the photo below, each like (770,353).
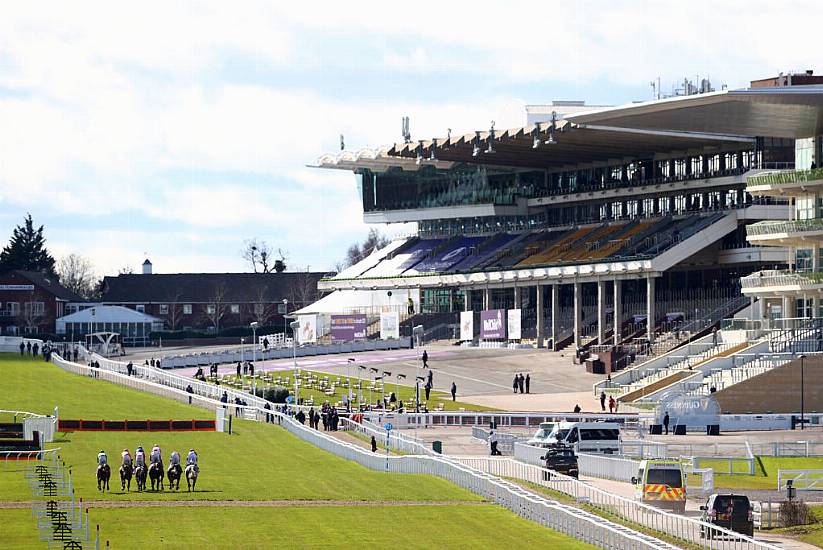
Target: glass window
(805,307)
(235,309)
(803,259)
(210,309)
(141,308)
(164,309)
(186,309)
(670,477)
(804,208)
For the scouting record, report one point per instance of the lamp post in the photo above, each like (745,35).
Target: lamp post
(376,378)
(348,376)
(386,375)
(286,312)
(253,326)
(417,381)
(242,360)
(802,358)
(361,369)
(295,326)
(373,371)
(397,385)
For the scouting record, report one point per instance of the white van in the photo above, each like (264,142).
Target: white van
(661,483)
(542,438)
(588,437)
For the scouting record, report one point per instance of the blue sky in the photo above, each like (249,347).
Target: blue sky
(178,130)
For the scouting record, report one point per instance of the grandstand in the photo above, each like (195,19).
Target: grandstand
(620,226)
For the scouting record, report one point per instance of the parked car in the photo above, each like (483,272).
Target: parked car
(661,483)
(733,512)
(562,460)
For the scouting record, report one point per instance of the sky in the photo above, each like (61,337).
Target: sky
(178,130)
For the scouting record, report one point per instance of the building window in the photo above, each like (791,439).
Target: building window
(164,309)
(14,308)
(259,308)
(210,309)
(35,308)
(803,259)
(804,307)
(141,308)
(235,309)
(804,208)
(186,309)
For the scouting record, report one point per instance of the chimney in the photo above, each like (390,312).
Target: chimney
(147,267)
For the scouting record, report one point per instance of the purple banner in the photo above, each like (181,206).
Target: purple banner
(493,324)
(345,328)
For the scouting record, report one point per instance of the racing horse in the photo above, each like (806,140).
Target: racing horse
(103,475)
(192,471)
(125,477)
(174,474)
(156,476)
(140,477)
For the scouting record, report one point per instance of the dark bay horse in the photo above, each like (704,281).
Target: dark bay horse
(103,475)
(174,474)
(125,477)
(192,471)
(140,476)
(156,476)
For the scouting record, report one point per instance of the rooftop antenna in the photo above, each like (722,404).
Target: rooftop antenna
(431,150)
(419,151)
(552,128)
(448,133)
(405,130)
(476,147)
(490,148)
(536,136)
(342,143)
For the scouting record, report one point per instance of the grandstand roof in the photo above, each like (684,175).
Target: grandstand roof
(202,287)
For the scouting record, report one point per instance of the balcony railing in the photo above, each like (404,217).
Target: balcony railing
(782,277)
(775,227)
(785,177)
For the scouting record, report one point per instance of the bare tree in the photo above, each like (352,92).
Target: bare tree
(77,274)
(263,308)
(175,311)
(216,308)
(302,289)
(260,255)
(357,251)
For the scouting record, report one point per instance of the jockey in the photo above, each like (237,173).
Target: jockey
(140,457)
(102,460)
(192,459)
(126,457)
(174,459)
(156,455)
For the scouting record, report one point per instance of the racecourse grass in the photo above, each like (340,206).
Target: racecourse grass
(766,469)
(255,462)
(423,527)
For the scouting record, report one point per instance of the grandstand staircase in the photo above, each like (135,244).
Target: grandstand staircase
(696,238)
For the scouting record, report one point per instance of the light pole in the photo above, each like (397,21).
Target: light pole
(286,312)
(348,377)
(386,374)
(417,381)
(802,393)
(397,385)
(376,378)
(295,327)
(253,326)
(373,371)
(242,359)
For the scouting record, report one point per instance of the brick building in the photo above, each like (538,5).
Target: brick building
(30,302)
(213,301)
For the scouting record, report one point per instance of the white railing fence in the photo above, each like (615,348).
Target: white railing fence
(675,525)
(802,480)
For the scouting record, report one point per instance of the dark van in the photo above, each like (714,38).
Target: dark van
(733,512)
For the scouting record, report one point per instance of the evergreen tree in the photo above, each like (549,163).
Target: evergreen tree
(27,250)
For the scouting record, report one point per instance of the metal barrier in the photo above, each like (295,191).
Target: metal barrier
(607,467)
(675,525)
(802,480)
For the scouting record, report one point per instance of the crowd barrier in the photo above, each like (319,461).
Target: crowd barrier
(66,425)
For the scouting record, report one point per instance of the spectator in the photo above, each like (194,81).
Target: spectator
(603,401)
(301,417)
(528,382)
(666,422)
(454,391)
(75,352)
(251,369)
(428,388)
(129,368)
(374,441)
(493,444)
(22,348)
(265,344)
(238,369)
(611,404)
(425,360)
(35,349)
(28,347)
(577,408)
(268,415)
(514,383)
(410,308)
(520,382)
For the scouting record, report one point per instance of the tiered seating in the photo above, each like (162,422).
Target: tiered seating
(554,251)
(487,251)
(592,240)
(449,255)
(405,259)
(619,241)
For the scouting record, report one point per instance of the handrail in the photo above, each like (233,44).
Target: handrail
(782,177)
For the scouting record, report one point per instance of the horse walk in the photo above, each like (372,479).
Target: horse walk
(192,471)
(174,473)
(125,477)
(140,476)
(156,476)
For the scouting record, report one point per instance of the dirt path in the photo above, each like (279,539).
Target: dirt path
(8,505)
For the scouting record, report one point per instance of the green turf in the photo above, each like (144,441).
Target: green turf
(811,534)
(423,527)
(766,468)
(404,393)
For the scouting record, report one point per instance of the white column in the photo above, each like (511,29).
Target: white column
(601,312)
(541,321)
(555,314)
(487,298)
(467,299)
(578,313)
(618,310)
(517,297)
(650,315)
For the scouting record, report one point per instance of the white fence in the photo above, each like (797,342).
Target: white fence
(607,467)
(675,525)
(12,343)
(802,480)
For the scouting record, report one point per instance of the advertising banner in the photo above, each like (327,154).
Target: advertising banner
(514,324)
(694,411)
(493,324)
(349,327)
(389,325)
(307,333)
(467,325)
